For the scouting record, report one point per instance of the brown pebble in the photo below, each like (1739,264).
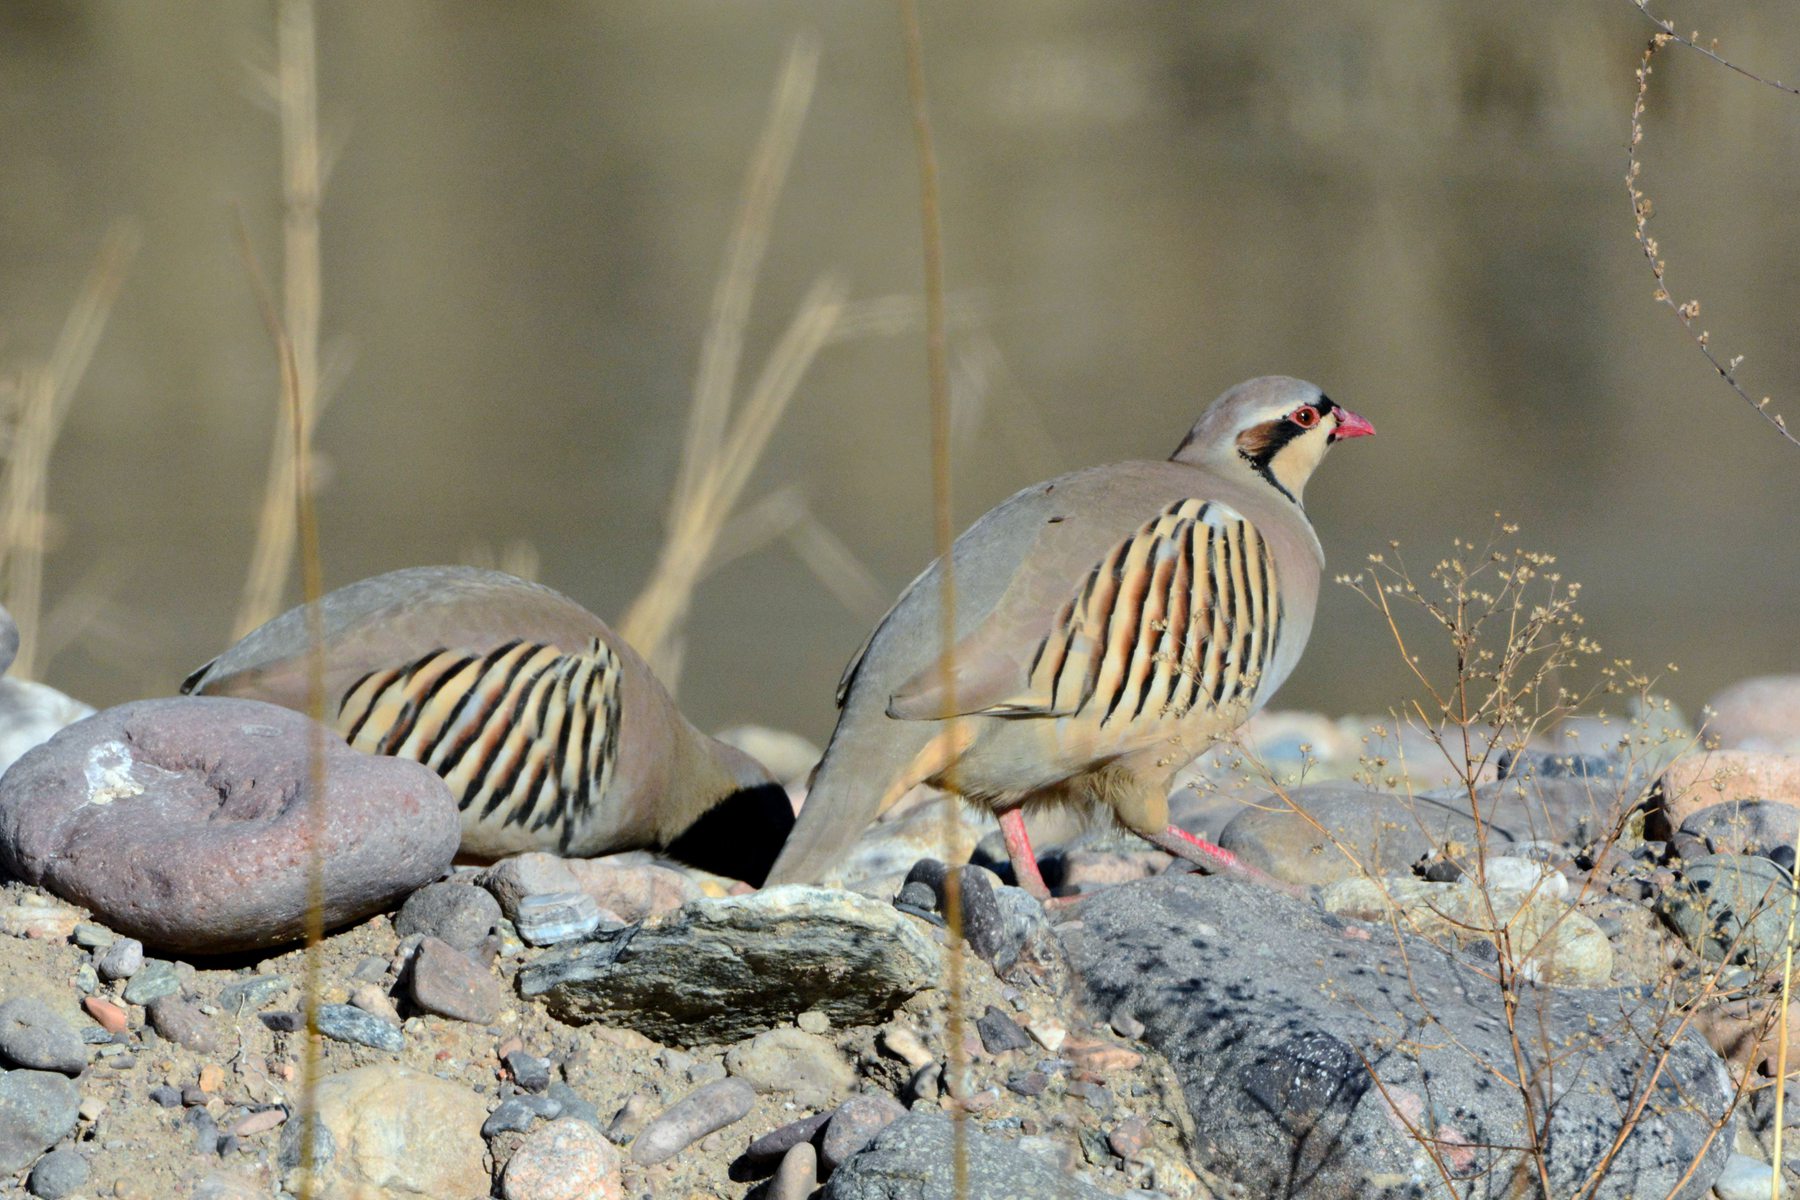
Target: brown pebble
(185,1025)
(259,1122)
(1129,1139)
(212,1078)
(773,1145)
(564,1160)
(1093,1054)
(446,982)
(110,1016)
(798,1174)
(714,1106)
(855,1125)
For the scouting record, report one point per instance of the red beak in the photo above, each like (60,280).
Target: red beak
(1350,425)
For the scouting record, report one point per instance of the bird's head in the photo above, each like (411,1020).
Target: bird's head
(1276,428)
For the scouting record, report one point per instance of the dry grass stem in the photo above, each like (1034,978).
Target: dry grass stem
(42,398)
(725,441)
(1686,311)
(295,94)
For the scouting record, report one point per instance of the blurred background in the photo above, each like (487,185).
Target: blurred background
(1420,207)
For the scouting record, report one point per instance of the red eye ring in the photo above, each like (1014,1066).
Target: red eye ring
(1306,416)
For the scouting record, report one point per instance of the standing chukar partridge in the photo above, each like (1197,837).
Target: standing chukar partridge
(1110,625)
(551,732)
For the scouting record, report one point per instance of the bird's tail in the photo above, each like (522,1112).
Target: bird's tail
(859,777)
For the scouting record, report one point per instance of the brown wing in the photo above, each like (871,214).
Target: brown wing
(1183,612)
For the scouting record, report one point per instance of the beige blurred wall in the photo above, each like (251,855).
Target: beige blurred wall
(1418,206)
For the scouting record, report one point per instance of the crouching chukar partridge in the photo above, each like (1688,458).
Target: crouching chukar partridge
(551,732)
(1110,624)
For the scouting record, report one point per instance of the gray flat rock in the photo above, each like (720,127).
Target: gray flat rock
(911,1160)
(1308,1047)
(723,970)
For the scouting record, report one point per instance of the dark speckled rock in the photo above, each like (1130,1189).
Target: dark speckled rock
(186,823)
(1271,1013)
(910,1160)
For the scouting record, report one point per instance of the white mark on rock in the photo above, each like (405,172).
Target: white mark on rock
(109,774)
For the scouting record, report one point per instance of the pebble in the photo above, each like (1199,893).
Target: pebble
(713,1107)
(792,1060)
(854,1125)
(33,1035)
(1758,714)
(259,1122)
(224,1185)
(1126,1025)
(776,1143)
(166,1095)
(1094,1055)
(1698,781)
(925,1084)
(156,978)
(702,976)
(1047,1034)
(446,982)
(564,1160)
(557,917)
(999,1032)
(37,917)
(284,1021)
(212,1078)
(37,1110)
(512,1115)
(346,1024)
(185,1025)
(573,1106)
(459,914)
(1129,1138)
(121,960)
(983,926)
(1028,1083)
(58,1174)
(905,1045)
(374,1000)
(87,980)
(631,1118)
(90,936)
(813,1021)
(531,874)
(192,790)
(1744,1178)
(253,994)
(528,1071)
(388,1130)
(634,892)
(798,1174)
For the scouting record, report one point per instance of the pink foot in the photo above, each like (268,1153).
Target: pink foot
(1202,853)
(1019,853)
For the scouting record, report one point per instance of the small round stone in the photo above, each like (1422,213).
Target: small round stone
(121,960)
(566,1159)
(59,1173)
(459,914)
(33,1035)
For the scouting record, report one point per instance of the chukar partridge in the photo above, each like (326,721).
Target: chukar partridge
(1110,625)
(551,732)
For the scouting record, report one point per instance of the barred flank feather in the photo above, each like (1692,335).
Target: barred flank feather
(524,735)
(1185,611)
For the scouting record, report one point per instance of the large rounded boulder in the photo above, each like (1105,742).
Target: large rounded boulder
(191,823)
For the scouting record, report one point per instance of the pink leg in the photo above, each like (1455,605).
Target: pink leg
(1200,852)
(1018,851)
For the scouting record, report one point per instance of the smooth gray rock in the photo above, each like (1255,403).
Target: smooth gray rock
(1272,1015)
(1762,827)
(34,1036)
(719,971)
(556,917)
(854,1125)
(813,1070)
(156,978)
(252,994)
(37,1110)
(120,960)
(143,812)
(459,914)
(701,1112)
(185,1025)
(1362,831)
(59,1173)
(1732,907)
(347,1024)
(911,1160)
